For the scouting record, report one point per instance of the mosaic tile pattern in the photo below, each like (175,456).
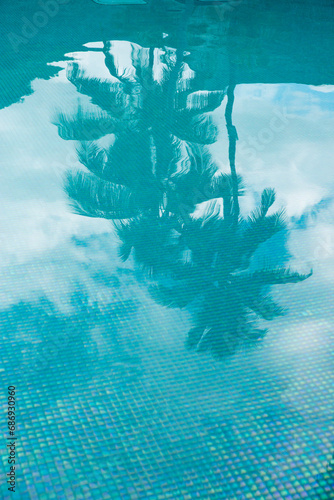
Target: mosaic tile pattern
(111,405)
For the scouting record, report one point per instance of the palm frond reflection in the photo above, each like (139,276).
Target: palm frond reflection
(152,177)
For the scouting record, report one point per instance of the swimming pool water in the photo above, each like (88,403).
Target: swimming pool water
(166,249)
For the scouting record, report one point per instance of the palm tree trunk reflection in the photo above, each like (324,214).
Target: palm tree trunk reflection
(233,137)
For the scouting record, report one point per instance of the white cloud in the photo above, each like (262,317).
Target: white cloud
(322,88)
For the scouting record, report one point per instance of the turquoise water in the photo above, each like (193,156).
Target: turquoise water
(167,249)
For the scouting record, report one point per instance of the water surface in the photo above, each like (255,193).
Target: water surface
(166,309)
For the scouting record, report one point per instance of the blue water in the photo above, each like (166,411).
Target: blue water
(167,249)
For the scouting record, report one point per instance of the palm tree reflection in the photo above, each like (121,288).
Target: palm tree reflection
(216,278)
(155,116)
(151,179)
